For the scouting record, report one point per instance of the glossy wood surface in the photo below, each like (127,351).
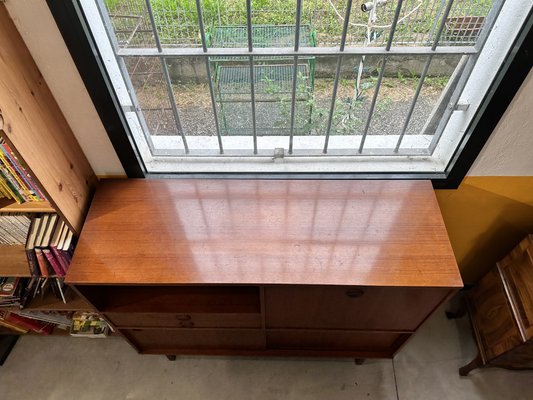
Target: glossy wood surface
(384,233)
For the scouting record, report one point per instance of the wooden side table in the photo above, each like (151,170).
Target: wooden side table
(501,311)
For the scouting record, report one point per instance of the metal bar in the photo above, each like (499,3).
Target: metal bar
(297,153)
(208,70)
(251,61)
(172,99)
(337,73)
(413,103)
(380,77)
(373,104)
(154,29)
(470,64)
(295,69)
(166,75)
(287,51)
(442,24)
(393,25)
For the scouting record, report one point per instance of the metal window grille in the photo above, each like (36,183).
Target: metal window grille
(262,70)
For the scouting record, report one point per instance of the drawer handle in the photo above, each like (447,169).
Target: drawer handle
(355,293)
(183,317)
(186,324)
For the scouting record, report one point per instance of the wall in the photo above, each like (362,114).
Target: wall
(485,217)
(493,208)
(40,33)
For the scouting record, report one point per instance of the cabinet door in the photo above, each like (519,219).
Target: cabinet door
(381,344)
(341,307)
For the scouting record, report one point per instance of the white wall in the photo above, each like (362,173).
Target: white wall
(509,151)
(42,37)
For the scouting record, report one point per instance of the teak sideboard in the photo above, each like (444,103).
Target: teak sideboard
(265,267)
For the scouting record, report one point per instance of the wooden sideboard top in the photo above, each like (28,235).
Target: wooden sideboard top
(173,231)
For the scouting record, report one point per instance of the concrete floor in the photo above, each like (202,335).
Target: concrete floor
(47,368)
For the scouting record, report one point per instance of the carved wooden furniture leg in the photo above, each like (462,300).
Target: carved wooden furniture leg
(475,363)
(359,361)
(171,357)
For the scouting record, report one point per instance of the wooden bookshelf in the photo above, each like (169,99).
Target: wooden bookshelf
(52,303)
(33,126)
(11,206)
(13,261)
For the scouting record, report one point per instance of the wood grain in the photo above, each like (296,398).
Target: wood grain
(13,261)
(368,233)
(37,131)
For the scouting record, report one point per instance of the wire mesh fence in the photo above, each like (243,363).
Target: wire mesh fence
(177,21)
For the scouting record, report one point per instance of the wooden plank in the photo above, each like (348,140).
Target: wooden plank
(362,233)
(37,130)
(13,261)
(10,206)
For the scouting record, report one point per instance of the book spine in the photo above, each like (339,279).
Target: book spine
(9,185)
(32,186)
(32,262)
(12,177)
(15,173)
(41,260)
(53,262)
(63,262)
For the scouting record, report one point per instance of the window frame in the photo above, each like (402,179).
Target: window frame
(81,44)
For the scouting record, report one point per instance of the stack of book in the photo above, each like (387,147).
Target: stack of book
(14,228)
(87,324)
(15,182)
(20,324)
(49,249)
(11,291)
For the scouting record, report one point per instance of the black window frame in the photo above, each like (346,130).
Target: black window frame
(82,47)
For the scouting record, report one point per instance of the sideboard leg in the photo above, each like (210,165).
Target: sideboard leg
(171,357)
(359,361)
(475,363)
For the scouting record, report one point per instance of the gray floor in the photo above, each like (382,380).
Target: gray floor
(49,368)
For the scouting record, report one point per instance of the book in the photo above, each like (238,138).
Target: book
(30,244)
(22,173)
(28,323)
(86,324)
(62,319)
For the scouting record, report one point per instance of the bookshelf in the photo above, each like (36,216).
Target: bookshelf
(33,126)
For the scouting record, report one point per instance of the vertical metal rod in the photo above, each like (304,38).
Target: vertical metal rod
(208,69)
(166,75)
(251,61)
(172,99)
(442,24)
(413,103)
(295,69)
(380,77)
(154,29)
(337,73)
(394,23)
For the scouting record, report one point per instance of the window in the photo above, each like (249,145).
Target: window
(301,85)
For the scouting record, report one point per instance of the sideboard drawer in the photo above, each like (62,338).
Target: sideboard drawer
(181,320)
(384,343)
(168,341)
(343,307)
